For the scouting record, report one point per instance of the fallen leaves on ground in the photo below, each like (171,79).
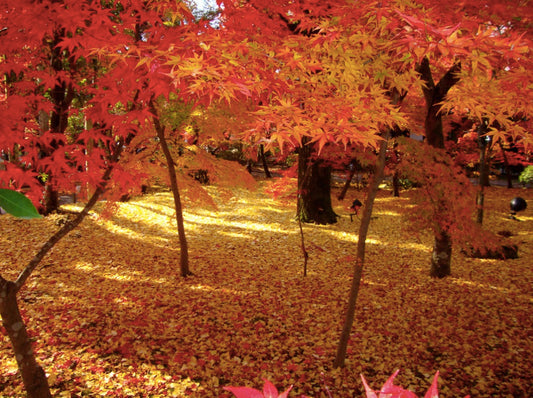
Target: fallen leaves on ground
(110,316)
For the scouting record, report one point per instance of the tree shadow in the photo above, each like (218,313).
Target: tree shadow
(109,311)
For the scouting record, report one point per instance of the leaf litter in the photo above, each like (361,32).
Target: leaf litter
(110,316)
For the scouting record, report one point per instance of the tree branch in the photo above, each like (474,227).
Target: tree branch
(425,73)
(69,226)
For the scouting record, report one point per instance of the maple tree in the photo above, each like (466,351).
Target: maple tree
(34,62)
(312,108)
(342,82)
(120,103)
(478,54)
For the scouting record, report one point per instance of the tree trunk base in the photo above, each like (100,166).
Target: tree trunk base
(441,257)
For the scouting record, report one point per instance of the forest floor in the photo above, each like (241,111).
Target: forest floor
(110,316)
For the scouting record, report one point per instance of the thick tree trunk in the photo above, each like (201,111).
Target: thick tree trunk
(434,95)
(441,256)
(62,96)
(480,204)
(184,250)
(263,160)
(314,186)
(359,262)
(51,197)
(396,184)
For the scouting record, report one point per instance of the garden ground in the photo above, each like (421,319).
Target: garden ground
(110,315)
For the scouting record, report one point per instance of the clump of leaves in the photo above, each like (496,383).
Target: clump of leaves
(526,177)
(269,391)
(389,390)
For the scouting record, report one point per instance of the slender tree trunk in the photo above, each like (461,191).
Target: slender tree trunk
(506,166)
(184,250)
(434,94)
(314,196)
(480,203)
(263,160)
(483,172)
(396,184)
(62,96)
(301,182)
(480,197)
(360,260)
(33,375)
(349,178)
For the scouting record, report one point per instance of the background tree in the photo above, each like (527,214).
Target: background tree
(464,51)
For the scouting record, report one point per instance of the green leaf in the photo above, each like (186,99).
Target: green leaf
(17,204)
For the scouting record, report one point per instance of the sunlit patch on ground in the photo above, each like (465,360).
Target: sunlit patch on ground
(110,316)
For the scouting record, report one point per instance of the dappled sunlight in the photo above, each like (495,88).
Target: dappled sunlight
(110,299)
(120,275)
(507,291)
(212,289)
(345,236)
(139,233)
(414,246)
(386,213)
(235,222)
(235,235)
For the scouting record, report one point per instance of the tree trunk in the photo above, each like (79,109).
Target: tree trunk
(483,172)
(62,96)
(441,256)
(506,166)
(349,178)
(314,185)
(396,184)
(359,262)
(263,160)
(434,95)
(51,197)
(32,373)
(184,250)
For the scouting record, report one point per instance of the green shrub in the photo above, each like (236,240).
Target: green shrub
(526,177)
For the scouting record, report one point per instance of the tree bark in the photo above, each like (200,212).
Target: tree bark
(62,96)
(359,262)
(441,255)
(33,375)
(434,95)
(314,184)
(349,178)
(184,250)
(263,160)
(506,166)
(396,184)
(483,172)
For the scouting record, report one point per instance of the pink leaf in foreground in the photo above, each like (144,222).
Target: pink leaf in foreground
(432,391)
(244,392)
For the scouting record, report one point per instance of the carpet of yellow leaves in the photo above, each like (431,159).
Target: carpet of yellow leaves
(110,315)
